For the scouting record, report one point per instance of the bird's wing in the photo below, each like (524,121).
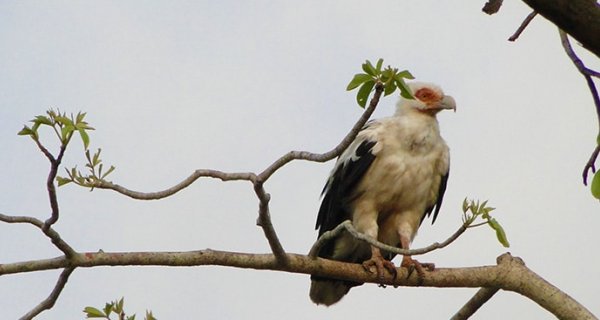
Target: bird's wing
(349,169)
(440,197)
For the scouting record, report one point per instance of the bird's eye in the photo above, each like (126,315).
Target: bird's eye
(425,95)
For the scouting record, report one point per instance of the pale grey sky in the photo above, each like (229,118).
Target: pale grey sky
(181,85)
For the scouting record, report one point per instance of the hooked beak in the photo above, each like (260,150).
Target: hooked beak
(447,103)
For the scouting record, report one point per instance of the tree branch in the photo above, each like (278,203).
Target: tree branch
(49,302)
(587,74)
(264,221)
(54,164)
(223,176)
(482,296)
(49,232)
(509,273)
(523,25)
(347,226)
(336,151)
(578,18)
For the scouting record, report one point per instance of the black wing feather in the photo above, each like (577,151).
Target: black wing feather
(438,204)
(339,189)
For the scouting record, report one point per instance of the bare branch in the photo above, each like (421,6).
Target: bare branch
(264,221)
(54,164)
(579,18)
(591,164)
(587,74)
(223,176)
(347,226)
(523,25)
(49,302)
(509,274)
(49,232)
(482,296)
(336,151)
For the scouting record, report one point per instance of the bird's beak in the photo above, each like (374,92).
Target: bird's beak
(447,103)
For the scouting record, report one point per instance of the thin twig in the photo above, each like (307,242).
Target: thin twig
(223,176)
(49,232)
(591,164)
(482,296)
(54,164)
(49,302)
(587,74)
(523,25)
(347,226)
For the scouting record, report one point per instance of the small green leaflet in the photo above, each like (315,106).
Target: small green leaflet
(363,93)
(358,79)
(596,185)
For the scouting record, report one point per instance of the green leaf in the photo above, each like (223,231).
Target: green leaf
(62,181)
(97,160)
(390,87)
(368,68)
(43,120)
(91,312)
(85,138)
(379,65)
(404,89)
(80,116)
(405,74)
(363,93)
(500,234)
(111,169)
(66,132)
(64,121)
(358,79)
(149,316)
(465,205)
(108,307)
(26,131)
(119,305)
(596,185)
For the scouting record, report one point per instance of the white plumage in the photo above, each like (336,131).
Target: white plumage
(387,181)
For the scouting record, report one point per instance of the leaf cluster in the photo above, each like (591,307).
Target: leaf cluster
(473,210)
(95,168)
(116,307)
(390,78)
(64,126)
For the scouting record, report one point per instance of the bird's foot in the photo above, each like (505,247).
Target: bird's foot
(380,264)
(414,265)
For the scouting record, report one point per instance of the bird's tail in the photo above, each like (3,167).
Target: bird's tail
(328,291)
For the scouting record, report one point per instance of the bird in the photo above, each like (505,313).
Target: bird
(392,176)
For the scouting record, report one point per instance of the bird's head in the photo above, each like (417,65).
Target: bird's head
(429,99)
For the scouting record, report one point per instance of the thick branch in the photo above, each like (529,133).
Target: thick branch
(510,273)
(482,296)
(579,18)
(49,302)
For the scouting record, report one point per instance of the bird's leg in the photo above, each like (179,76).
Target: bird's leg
(412,264)
(380,264)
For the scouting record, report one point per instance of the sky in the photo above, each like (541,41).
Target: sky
(182,85)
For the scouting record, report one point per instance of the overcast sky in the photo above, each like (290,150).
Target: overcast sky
(175,86)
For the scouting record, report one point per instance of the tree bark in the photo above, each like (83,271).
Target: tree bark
(579,18)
